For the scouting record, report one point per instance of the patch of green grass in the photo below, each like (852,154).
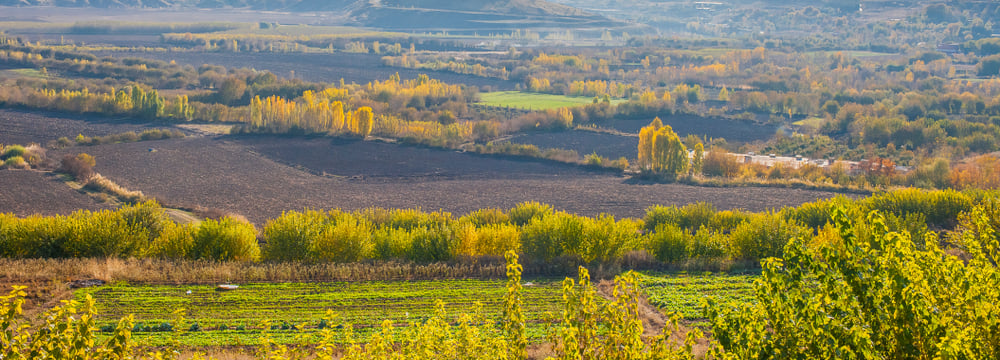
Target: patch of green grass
(26,73)
(686,293)
(813,122)
(236,317)
(534,101)
(855,53)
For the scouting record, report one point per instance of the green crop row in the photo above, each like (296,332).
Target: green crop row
(299,309)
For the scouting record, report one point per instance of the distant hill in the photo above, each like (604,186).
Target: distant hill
(389,14)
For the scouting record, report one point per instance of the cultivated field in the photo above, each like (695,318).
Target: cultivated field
(24,127)
(711,127)
(27,192)
(236,317)
(533,101)
(687,293)
(583,142)
(260,177)
(330,68)
(298,309)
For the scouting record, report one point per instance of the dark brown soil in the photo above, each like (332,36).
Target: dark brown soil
(330,68)
(239,175)
(711,127)
(584,142)
(27,192)
(378,162)
(24,127)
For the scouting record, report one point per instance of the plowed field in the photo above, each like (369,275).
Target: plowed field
(260,177)
(25,192)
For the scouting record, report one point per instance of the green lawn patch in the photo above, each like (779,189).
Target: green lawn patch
(534,101)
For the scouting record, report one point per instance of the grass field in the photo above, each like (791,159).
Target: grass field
(686,293)
(236,317)
(534,101)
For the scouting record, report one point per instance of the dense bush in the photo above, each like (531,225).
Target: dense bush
(867,292)
(523,213)
(227,239)
(81,166)
(764,236)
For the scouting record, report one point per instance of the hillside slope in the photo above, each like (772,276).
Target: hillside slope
(479,15)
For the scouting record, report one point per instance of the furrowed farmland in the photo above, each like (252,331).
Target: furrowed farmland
(260,177)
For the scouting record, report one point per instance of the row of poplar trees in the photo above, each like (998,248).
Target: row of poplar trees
(662,152)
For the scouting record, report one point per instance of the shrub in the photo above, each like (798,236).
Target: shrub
(432,244)
(12,151)
(523,213)
(606,239)
(391,243)
(546,238)
(15,162)
(940,207)
(718,163)
(765,235)
(104,234)
(348,240)
(8,225)
(227,239)
(174,242)
(81,166)
(669,243)
(487,216)
(690,216)
(497,239)
(291,236)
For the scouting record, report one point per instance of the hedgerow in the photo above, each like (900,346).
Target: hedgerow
(672,235)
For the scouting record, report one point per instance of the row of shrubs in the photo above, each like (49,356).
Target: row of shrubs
(670,234)
(125,137)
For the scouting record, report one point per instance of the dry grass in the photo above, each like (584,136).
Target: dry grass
(155,271)
(103,184)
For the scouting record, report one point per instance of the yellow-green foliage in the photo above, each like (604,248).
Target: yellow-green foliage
(671,234)
(346,241)
(497,239)
(67,332)
(174,242)
(661,150)
(227,239)
(122,233)
(870,294)
(600,239)
(763,236)
(524,213)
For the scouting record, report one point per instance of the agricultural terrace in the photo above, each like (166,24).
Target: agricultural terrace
(534,101)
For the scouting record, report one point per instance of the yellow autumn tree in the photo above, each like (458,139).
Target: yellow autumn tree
(365,119)
(661,151)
